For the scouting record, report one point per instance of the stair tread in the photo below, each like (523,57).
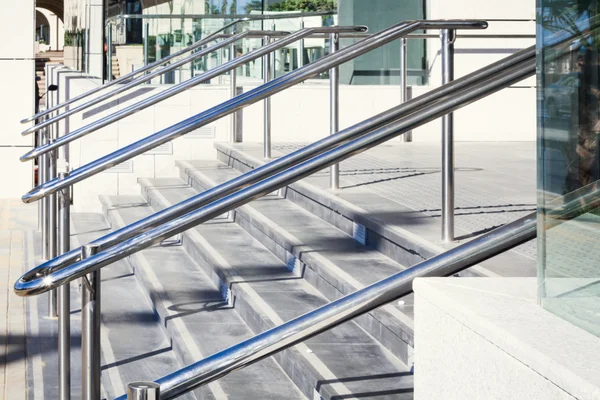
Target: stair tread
(190,296)
(284,295)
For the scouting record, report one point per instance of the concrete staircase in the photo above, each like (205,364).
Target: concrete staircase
(261,265)
(239,275)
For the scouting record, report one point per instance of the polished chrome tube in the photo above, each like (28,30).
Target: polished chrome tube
(130,75)
(344,309)
(266,103)
(109,51)
(448,37)
(143,391)
(27,286)
(176,89)
(145,33)
(64,299)
(334,107)
(52,232)
(90,329)
(407,137)
(301,47)
(43,178)
(244,99)
(287,161)
(233,90)
(135,83)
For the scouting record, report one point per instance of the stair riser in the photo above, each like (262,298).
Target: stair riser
(398,341)
(294,365)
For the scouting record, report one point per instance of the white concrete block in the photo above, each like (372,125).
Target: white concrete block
(17,102)
(486,338)
(17,30)
(17,177)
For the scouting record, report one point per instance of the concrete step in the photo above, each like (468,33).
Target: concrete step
(402,233)
(336,264)
(345,362)
(194,313)
(134,345)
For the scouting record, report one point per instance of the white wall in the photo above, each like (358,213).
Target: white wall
(301,114)
(475,53)
(17,79)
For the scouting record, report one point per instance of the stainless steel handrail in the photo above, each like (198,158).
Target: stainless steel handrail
(32,283)
(251,17)
(183,86)
(145,78)
(130,75)
(288,160)
(240,101)
(344,309)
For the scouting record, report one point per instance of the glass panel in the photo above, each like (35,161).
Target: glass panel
(569,163)
(192,20)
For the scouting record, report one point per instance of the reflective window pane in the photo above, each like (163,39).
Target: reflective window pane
(569,163)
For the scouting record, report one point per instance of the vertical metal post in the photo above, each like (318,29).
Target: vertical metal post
(233,89)
(64,298)
(334,106)
(404,79)
(146,43)
(52,232)
(43,178)
(90,329)
(109,51)
(301,47)
(267,101)
(448,37)
(38,142)
(143,391)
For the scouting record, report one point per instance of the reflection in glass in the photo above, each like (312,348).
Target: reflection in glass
(569,136)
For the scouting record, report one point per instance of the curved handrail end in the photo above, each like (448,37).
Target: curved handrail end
(28,131)
(24,288)
(26,120)
(30,155)
(33,195)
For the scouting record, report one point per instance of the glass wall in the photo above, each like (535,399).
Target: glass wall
(569,162)
(174,24)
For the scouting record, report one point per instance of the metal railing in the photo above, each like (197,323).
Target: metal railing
(228,107)
(181,87)
(130,75)
(229,39)
(484,85)
(286,161)
(60,271)
(362,301)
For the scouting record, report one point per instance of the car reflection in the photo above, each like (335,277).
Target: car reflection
(561,94)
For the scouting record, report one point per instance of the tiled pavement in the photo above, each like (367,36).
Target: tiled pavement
(17,225)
